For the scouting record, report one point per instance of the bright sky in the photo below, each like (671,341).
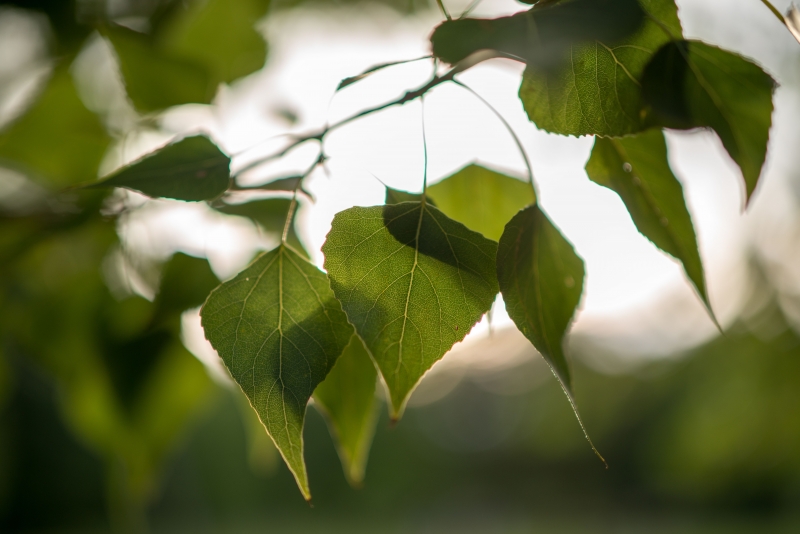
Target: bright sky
(636,298)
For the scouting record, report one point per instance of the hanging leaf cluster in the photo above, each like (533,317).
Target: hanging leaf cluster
(407,280)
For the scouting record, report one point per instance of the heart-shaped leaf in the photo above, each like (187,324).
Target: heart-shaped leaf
(596,88)
(279,330)
(412,281)
(690,84)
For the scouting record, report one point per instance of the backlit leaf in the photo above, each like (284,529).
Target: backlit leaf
(347,398)
(690,84)
(637,169)
(481,199)
(541,279)
(279,330)
(191,169)
(596,89)
(57,142)
(413,283)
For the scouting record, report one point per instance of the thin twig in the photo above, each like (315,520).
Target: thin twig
(510,130)
(319,135)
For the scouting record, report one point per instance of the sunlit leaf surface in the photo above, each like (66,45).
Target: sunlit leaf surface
(690,84)
(481,199)
(279,330)
(413,283)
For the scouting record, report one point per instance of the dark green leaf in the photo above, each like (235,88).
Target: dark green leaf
(191,169)
(481,199)
(279,330)
(596,88)
(637,169)
(185,283)
(541,279)
(347,397)
(690,84)
(396,196)
(58,142)
(270,215)
(219,35)
(153,80)
(541,36)
(413,283)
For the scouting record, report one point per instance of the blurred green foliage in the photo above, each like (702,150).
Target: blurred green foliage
(107,422)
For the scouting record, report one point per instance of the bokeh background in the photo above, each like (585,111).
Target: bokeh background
(115,414)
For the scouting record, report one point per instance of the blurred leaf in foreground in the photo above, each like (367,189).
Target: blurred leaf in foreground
(690,84)
(57,142)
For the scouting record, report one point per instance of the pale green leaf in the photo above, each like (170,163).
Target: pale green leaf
(690,84)
(155,80)
(413,283)
(191,169)
(637,169)
(597,90)
(279,330)
(219,35)
(481,199)
(541,279)
(57,142)
(347,398)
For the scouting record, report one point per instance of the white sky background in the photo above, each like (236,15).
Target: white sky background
(636,298)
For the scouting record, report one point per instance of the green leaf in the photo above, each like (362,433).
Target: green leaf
(279,330)
(58,141)
(596,89)
(185,283)
(637,169)
(191,169)
(270,215)
(481,199)
(154,80)
(413,283)
(396,196)
(690,84)
(541,279)
(541,36)
(219,35)
(347,398)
